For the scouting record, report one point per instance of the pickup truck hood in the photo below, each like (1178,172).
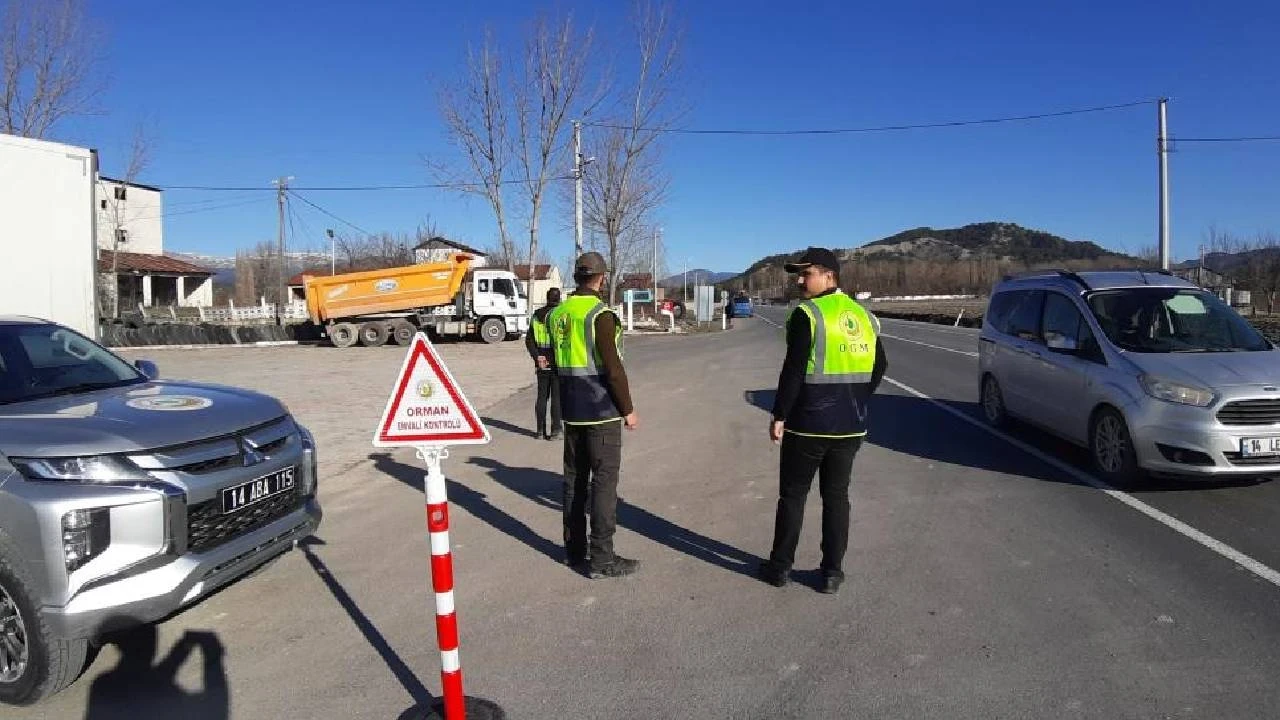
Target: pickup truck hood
(131,418)
(1213,369)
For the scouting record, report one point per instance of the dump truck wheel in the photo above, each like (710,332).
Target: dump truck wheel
(374,334)
(402,332)
(493,330)
(343,335)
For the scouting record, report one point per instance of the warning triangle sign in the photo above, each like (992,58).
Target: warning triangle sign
(426,406)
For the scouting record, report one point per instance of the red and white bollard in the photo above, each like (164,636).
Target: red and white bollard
(456,706)
(442,583)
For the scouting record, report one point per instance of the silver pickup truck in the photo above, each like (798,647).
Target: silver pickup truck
(124,498)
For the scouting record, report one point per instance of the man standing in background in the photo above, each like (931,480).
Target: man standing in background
(538,342)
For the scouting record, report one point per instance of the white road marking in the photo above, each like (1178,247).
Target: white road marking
(929,345)
(1248,563)
(1217,546)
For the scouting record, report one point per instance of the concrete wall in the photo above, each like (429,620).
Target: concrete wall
(139,215)
(46,232)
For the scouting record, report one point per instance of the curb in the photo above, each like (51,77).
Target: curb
(260,343)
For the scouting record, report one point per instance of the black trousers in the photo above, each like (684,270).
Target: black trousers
(592,458)
(548,389)
(832,460)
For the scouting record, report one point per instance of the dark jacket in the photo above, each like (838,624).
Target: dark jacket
(531,345)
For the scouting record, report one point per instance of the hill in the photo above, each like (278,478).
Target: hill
(964,260)
(991,240)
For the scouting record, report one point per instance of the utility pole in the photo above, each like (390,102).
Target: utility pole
(1162,149)
(577,187)
(333,253)
(282,187)
(655,272)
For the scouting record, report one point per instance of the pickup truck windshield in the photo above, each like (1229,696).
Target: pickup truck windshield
(1169,320)
(38,360)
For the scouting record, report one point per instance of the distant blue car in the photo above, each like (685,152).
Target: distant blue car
(740,307)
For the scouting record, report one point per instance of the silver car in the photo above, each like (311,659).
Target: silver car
(124,499)
(1149,372)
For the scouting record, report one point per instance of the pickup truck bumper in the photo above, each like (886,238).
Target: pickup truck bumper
(158,592)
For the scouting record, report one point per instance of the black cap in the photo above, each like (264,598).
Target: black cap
(590,263)
(815,256)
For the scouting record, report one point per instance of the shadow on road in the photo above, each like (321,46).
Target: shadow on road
(919,428)
(546,488)
(139,687)
(395,664)
(509,427)
(473,501)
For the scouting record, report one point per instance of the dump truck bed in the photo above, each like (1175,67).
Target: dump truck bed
(393,290)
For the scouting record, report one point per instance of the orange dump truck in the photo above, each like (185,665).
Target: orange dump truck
(448,298)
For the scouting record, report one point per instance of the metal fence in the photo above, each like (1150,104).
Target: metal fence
(231,315)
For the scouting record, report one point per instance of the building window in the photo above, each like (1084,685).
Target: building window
(120,192)
(122,236)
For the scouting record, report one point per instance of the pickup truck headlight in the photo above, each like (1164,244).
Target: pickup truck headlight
(311,477)
(1173,392)
(101,468)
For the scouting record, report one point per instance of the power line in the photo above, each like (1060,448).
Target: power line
(879,128)
(359,188)
(190,211)
(357,228)
(1260,138)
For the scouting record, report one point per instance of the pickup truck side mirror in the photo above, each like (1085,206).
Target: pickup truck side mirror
(148,368)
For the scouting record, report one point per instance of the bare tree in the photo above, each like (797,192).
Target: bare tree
(553,85)
(49,58)
(625,184)
(475,113)
(118,216)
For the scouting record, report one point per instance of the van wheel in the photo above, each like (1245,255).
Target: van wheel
(33,663)
(493,330)
(343,335)
(402,332)
(993,403)
(1111,448)
(374,334)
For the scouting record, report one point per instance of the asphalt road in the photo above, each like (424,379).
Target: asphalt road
(984,581)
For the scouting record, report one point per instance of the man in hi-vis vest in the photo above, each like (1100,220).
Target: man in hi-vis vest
(538,343)
(595,404)
(834,364)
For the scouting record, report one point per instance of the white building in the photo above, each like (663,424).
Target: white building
(545,277)
(131,244)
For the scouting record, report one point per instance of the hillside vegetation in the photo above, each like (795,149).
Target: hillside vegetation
(926,261)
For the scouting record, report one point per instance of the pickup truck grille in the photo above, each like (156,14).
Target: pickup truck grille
(1250,412)
(207,527)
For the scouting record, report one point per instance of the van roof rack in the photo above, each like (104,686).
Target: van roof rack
(1050,271)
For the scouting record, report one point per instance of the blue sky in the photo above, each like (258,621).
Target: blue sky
(241,92)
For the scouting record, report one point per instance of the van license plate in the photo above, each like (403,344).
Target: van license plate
(239,497)
(1260,447)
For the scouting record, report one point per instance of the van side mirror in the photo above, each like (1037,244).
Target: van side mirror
(148,368)
(1062,344)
